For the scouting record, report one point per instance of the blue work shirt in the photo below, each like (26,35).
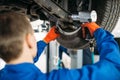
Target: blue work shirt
(108,68)
(40,47)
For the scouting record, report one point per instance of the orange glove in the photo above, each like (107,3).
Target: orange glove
(91,27)
(51,35)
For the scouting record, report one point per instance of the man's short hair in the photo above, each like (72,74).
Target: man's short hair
(13,28)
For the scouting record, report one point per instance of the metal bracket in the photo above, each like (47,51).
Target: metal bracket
(53,10)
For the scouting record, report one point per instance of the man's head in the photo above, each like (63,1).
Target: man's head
(15,30)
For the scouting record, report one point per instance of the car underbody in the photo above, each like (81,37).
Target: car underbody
(59,11)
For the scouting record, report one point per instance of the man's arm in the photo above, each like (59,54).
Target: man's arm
(107,46)
(51,35)
(40,48)
(108,68)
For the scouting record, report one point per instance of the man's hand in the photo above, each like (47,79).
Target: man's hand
(91,27)
(51,35)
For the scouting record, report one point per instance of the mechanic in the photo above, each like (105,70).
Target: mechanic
(18,49)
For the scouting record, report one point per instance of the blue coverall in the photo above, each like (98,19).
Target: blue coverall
(108,68)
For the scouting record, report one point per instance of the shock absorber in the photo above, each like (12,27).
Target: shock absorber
(84,16)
